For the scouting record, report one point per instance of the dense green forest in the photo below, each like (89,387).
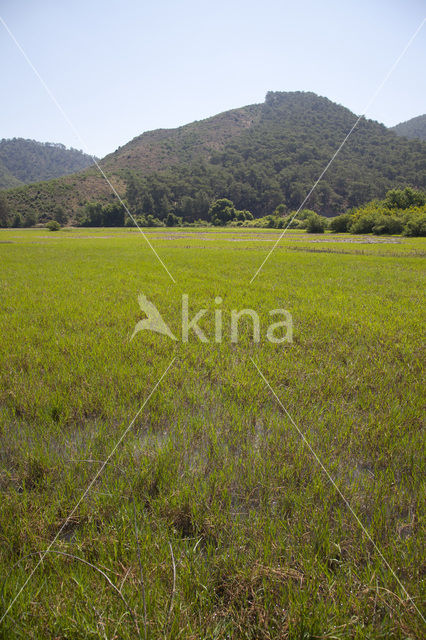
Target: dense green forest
(258,157)
(414,128)
(278,159)
(25,161)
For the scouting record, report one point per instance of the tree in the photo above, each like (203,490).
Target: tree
(163,207)
(132,189)
(17,220)
(4,211)
(172,220)
(415,224)
(30,219)
(59,215)
(186,208)
(281,210)
(222,211)
(404,198)
(113,215)
(147,204)
(93,214)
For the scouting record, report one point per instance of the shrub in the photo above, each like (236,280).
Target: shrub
(294,223)
(244,215)
(315,223)
(387,224)
(364,219)
(304,214)
(402,211)
(197,223)
(53,225)
(152,221)
(415,222)
(340,224)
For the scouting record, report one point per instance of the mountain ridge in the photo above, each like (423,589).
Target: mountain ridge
(415,128)
(258,155)
(231,122)
(23,161)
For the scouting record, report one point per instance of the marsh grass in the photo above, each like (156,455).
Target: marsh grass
(262,544)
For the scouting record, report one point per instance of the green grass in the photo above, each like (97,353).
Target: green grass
(263,544)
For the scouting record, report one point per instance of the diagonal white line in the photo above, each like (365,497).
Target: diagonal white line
(83,144)
(330,162)
(84,494)
(330,478)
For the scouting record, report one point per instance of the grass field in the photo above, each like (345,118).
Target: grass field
(212,495)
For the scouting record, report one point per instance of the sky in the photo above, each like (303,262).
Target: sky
(122,67)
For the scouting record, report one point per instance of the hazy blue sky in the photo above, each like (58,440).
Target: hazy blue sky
(123,67)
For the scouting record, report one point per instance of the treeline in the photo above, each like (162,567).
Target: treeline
(402,211)
(221,212)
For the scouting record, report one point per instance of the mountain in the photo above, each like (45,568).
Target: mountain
(160,149)
(7,180)
(258,156)
(414,128)
(25,161)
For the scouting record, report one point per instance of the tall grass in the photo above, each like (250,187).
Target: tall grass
(239,534)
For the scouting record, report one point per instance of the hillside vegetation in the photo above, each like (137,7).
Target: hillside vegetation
(414,128)
(258,157)
(25,161)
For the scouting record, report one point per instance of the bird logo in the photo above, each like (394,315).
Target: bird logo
(153,321)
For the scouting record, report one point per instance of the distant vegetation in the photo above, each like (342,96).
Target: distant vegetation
(402,211)
(25,161)
(53,225)
(414,128)
(259,157)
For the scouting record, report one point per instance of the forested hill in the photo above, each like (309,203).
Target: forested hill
(414,128)
(258,156)
(25,161)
